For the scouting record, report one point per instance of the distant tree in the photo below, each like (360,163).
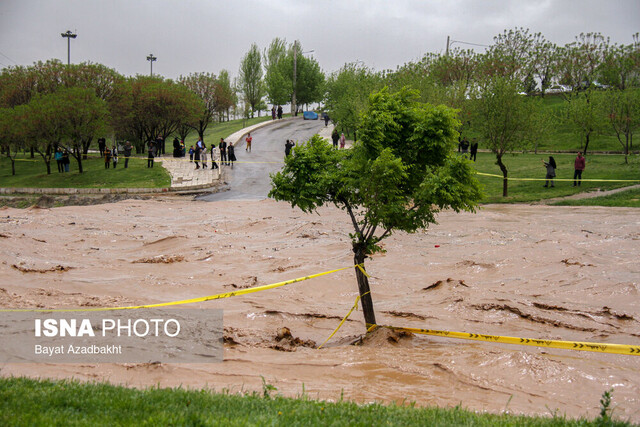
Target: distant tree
(623,110)
(511,56)
(250,77)
(621,65)
(205,86)
(583,111)
(506,120)
(82,116)
(278,82)
(226,97)
(579,61)
(348,93)
(40,126)
(144,108)
(398,177)
(10,139)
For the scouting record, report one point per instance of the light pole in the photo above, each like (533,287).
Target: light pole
(151,59)
(294,107)
(69,35)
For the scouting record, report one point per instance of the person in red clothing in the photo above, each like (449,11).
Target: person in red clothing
(578,167)
(248,139)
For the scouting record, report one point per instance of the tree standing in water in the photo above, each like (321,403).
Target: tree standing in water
(397,177)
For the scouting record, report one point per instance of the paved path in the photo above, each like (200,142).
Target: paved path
(249,178)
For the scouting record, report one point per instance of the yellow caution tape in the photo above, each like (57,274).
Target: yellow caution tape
(558,179)
(344,319)
(565,345)
(186,301)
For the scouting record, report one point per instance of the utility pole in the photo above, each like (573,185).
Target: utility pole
(151,59)
(447,51)
(294,107)
(69,35)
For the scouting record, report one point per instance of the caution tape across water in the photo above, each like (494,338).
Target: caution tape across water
(630,350)
(185,301)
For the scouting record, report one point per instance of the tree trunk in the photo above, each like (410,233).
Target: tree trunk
(363,288)
(505,181)
(32,155)
(13,167)
(586,143)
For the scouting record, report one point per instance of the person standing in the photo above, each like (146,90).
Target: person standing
(223,151)
(335,137)
(114,156)
(58,157)
(214,165)
(326,119)
(65,161)
(578,166)
(288,146)
(248,139)
(150,153)
(203,155)
(343,141)
(473,150)
(231,153)
(196,154)
(192,151)
(177,151)
(273,112)
(127,153)
(107,158)
(102,143)
(551,170)
(279,112)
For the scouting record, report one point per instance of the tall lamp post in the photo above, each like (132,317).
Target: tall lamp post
(294,107)
(69,35)
(151,59)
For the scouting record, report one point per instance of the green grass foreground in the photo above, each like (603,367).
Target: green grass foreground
(44,402)
(529,166)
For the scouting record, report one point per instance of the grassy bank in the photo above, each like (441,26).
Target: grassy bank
(628,199)
(33,173)
(529,166)
(36,402)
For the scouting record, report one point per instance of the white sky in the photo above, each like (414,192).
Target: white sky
(209,35)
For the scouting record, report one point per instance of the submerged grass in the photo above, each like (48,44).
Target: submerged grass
(44,402)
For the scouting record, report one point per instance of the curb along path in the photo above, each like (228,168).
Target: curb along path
(184,175)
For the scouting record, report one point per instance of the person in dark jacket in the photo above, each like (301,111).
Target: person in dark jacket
(335,136)
(578,166)
(231,154)
(473,150)
(126,150)
(551,170)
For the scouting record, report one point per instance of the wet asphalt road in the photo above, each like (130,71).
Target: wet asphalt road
(249,178)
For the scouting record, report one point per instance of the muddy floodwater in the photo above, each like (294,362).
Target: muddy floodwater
(560,273)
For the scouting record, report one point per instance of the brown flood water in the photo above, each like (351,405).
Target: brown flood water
(559,273)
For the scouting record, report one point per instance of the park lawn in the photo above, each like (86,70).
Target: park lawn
(33,173)
(628,199)
(560,137)
(605,167)
(44,402)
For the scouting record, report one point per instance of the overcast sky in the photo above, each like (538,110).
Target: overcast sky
(209,35)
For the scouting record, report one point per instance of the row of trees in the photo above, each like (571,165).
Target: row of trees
(50,105)
(280,74)
(499,92)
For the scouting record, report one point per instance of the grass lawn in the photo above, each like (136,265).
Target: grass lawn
(560,137)
(628,198)
(33,173)
(44,402)
(605,167)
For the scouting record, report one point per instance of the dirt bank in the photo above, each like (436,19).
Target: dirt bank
(530,271)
